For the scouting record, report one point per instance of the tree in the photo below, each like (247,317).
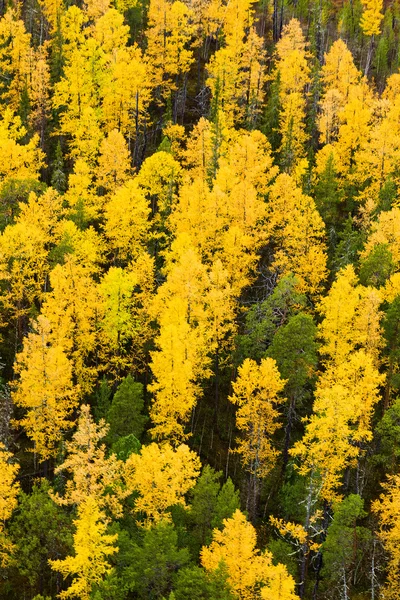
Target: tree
(168,36)
(196,583)
(348,389)
(345,544)
(18,160)
(294,348)
(294,76)
(127,224)
(9,489)
(72,306)
(92,546)
(155,563)
(45,390)
(94,475)
(24,264)
(125,413)
(161,476)
(387,507)
(14,58)
(256,392)
(40,530)
(247,568)
(114,162)
(372,17)
(209,505)
(297,232)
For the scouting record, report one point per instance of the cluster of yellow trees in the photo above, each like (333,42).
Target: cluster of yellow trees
(180,200)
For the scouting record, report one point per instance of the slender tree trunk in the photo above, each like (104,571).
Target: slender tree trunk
(369,55)
(304,557)
(288,431)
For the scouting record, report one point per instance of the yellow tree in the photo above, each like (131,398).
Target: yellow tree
(388,509)
(346,111)
(162,476)
(294,76)
(237,70)
(118,322)
(14,58)
(256,392)
(226,223)
(39,91)
(297,232)
(44,390)
(114,162)
(338,75)
(92,546)
(180,361)
(159,177)
(125,77)
(73,306)
(76,94)
(348,389)
(378,158)
(372,17)
(9,490)
(93,474)
(168,35)
(17,160)
(24,250)
(127,224)
(251,574)
(385,231)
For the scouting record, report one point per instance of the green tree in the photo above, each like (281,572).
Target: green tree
(344,547)
(156,560)
(40,530)
(294,349)
(125,413)
(210,505)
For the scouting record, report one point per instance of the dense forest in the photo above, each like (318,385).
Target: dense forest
(200,300)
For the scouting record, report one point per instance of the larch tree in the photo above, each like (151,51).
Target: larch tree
(24,252)
(370,22)
(73,306)
(93,474)
(256,392)
(168,46)
(348,390)
(127,226)
(297,232)
(388,510)
(180,360)
(161,475)
(44,390)
(92,547)
(294,77)
(251,574)
(14,58)
(9,489)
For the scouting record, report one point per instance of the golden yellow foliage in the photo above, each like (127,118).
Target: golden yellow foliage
(9,490)
(256,392)
(294,75)
(19,161)
(162,476)
(94,475)
(248,569)
(298,232)
(372,17)
(388,509)
(92,546)
(44,389)
(348,390)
